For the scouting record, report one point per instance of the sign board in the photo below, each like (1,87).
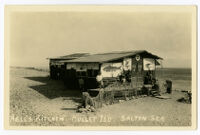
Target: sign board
(82,66)
(137,57)
(149,64)
(127,62)
(111,69)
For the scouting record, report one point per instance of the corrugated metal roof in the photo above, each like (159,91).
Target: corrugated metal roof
(105,57)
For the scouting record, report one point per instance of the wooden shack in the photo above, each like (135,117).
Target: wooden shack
(57,67)
(110,65)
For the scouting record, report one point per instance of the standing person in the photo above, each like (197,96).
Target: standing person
(120,77)
(81,84)
(155,86)
(128,75)
(58,75)
(99,79)
(147,78)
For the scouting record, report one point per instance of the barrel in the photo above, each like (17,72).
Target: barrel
(169,86)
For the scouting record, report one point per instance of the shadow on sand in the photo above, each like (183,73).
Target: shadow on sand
(68,109)
(54,89)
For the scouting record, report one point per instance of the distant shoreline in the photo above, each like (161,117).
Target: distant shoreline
(44,69)
(175,68)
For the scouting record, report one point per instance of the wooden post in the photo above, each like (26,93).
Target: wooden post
(136,84)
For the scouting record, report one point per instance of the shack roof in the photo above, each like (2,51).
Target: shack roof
(106,57)
(70,57)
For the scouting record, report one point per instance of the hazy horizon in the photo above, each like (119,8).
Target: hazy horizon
(35,36)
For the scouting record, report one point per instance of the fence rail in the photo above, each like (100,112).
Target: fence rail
(112,96)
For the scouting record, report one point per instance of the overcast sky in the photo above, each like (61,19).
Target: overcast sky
(35,36)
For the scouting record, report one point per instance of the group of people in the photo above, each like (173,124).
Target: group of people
(125,76)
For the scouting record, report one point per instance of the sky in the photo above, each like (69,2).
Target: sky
(37,35)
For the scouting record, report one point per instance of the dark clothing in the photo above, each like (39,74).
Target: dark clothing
(81,84)
(155,87)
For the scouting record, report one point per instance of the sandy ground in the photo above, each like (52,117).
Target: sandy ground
(37,100)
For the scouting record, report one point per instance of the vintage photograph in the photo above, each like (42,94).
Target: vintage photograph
(107,66)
